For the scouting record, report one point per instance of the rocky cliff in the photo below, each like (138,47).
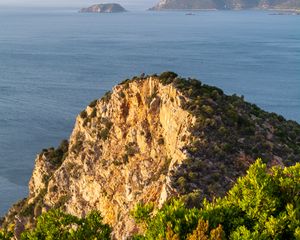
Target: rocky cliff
(227,4)
(103,8)
(149,139)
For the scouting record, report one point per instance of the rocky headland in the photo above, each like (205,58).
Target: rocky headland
(150,139)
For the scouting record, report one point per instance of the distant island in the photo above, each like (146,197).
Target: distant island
(288,5)
(104,8)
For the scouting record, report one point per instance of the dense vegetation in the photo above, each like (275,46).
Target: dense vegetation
(265,204)
(229,134)
(58,225)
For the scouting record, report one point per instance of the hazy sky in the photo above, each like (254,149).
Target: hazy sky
(76,3)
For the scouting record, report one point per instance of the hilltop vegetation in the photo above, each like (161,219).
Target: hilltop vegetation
(227,128)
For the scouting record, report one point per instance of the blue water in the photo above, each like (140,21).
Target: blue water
(53,63)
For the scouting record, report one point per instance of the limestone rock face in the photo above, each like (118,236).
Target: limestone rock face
(43,170)
(129,146)
(152,138)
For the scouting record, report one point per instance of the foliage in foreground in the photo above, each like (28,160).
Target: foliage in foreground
(6,235)
(265,204)
(58,225)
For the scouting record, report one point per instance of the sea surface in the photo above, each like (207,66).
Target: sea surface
(53,62)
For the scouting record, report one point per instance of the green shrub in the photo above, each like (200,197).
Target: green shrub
(83,114)
(107,96)
(58,225)
(104,134)
(122,94)
(142,212)
(58,155)
(161,141)
(78,145)
(27,210)
(107,123)
(264,204)
(174,214)
(167,77)
(202,232)
(208,109)
(6,235)
(131,149)
(93,103)
(93,113)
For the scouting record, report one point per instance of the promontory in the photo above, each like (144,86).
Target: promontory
(150,139)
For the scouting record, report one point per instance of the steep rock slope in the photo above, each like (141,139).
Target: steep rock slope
(227,4)
(152,138)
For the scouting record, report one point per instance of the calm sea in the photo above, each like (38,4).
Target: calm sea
(54,62)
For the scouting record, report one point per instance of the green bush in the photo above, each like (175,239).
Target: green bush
(6,235)
(104,134)
(93,113)
(161,140)
(27,210)
(106,96)
(78,145)
(167,77)
(58,155)
(93,103)
(174,214)
(141,212)
(83,114)
(58,225)
(131,149)
(264,204)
